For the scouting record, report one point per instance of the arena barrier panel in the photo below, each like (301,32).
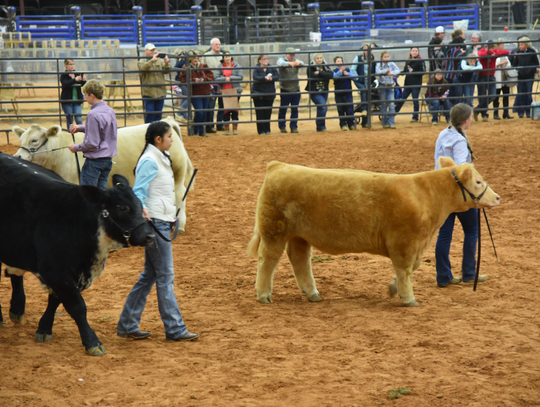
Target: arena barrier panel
(400,18)
(48,27)
(345,25)
(446,15)
(170,30)
(120,27)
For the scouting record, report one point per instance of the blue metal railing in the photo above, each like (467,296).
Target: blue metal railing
(120,27)
(345,25)
(414,17)
(170,30)
(48,27)
(446,15)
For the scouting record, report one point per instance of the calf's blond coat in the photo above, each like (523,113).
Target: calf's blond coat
(350,211)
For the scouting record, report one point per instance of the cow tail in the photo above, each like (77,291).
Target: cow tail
(189,174)
(253,245)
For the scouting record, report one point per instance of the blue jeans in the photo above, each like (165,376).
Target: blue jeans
(486,93)
(153,105)
(184,103)
(415,92)
(210,114)
(320,100)
(386,97)
(199,103)
(455,90)
(524,98)
(158,269)
(363,94)
(437,105)
(95,171)
(469,223)
(72,110)
(292,99)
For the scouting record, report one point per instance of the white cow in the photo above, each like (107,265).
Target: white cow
(44,147)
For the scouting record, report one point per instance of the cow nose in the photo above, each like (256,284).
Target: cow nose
(498,198)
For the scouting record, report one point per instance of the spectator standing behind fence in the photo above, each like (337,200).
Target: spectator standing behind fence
(456,52)
(100,135)
(436,41)
(486,78)
(263,92)
(452,142)
(230,76)
(290,89)
(414,71)
(387,71)
(438,58)
(437,89)
(344,96)
(469,68)
(71,90)
(503,64)
(213,58)
(152,76)
(200,91)
(179,65)
(360,72)
(525,60)
(319,75)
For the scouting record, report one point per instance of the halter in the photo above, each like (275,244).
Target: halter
(125,232)
(33,150)
(463,189)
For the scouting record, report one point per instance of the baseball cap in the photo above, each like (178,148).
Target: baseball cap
(439,29)
(149,46)
(290,50)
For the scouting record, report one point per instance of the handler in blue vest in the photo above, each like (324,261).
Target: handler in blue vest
(154,186)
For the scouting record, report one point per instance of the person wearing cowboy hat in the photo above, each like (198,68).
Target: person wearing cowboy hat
(288,68)
(152,73)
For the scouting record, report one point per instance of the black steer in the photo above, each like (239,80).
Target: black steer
(62,233)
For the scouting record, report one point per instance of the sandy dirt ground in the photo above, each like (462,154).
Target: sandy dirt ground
(458,348)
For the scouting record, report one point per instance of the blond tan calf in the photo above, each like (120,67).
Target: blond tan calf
(349,211)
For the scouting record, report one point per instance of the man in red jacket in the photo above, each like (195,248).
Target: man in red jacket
(486,78)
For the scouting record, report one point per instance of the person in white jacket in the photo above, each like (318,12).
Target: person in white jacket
(154,186)
(387,71)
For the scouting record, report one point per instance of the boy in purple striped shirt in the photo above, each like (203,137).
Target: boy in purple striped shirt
(100,134)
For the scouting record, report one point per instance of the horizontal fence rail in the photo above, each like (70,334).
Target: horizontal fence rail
(120,27)
(446,15)
(345,25)
(48,27)
(170,30)
(401,18)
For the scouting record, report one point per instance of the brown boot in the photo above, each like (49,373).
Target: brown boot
(235,128)
(227,128)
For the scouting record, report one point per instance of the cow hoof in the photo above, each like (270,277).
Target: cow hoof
(265,300)
(413,303)
(43,337)
(315,298)
(16,318)
(392,288)
(96,351)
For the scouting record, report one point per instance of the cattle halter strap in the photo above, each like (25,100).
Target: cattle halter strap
(125,232)
(33,150)
(463,189)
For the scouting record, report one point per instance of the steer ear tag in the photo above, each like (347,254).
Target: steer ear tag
(54,132)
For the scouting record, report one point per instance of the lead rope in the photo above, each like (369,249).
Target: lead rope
(479,252)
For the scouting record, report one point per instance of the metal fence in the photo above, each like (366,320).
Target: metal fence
(120,27)
(513,15)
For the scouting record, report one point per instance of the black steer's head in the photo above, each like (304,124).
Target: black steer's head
(122,212)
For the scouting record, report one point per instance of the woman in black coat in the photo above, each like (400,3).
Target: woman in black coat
(526,62)
(71,90)
(414,70)
(263,92)
(319,75)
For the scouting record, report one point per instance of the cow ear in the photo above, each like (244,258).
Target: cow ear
(53,131)
(118,179)
(18,131)
(467,173)
(93,194)
(446,162)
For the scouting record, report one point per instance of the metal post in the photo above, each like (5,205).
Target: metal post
(76,11)
(368,87)
(315,10)
(424,4)
(370,6)
(138,10)
(12,14)
(197,10)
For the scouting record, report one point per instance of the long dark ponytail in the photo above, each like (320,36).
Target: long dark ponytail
(155,129)
(459,114)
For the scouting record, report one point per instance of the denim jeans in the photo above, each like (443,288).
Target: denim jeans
(386,97)
(95,171)
(455,91)
(486,93)
(199,103)
(152,105)
(158,269)
(72,111)
(437,105)
(210,114)
(184,103)
(415,92)
(469,223)
(292,99)
(363,94)
(320,100)
(524,98)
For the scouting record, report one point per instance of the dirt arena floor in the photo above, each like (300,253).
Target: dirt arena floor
(458,348)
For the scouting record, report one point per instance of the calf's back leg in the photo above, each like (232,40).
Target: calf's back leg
(299,253)
(269,255)
(18,299)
